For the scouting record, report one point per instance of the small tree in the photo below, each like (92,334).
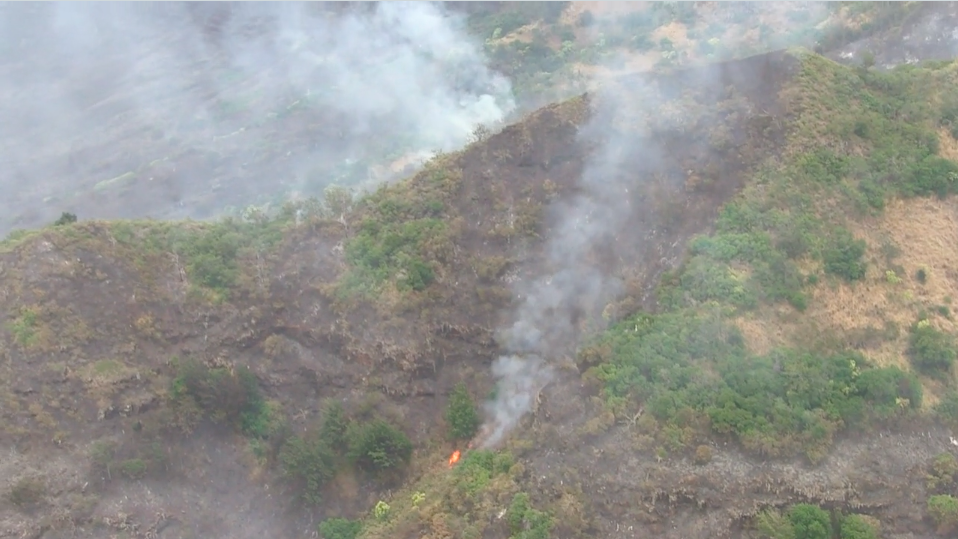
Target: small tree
(377,446)
(856,527)
(333,431)
(931,351)
(810,522)
(944,510)
(65,218)
(461,413)
(309,464)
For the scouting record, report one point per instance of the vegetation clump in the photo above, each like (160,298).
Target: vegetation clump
(807,521)
(461,414)
(377,446)
(222,394)
(340,528)
(774,404)
(931,351)
(943,509)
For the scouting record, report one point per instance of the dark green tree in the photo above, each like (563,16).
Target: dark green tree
(461,413)
(377,446)
(810,522)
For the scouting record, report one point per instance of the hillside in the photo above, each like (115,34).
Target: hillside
(705,300)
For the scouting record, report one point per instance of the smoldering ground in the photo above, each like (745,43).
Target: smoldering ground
(194,106)
(593,244)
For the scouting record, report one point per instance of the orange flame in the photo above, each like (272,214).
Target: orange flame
(454,458)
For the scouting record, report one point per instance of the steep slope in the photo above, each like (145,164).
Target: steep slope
(247,378)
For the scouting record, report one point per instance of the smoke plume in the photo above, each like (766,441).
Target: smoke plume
(574,286)
(210,104)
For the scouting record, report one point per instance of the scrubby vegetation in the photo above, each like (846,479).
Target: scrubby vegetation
(805,521)
(402,237)
(221,394)
(689,366)
(377,446)
(776,404)
(461,414)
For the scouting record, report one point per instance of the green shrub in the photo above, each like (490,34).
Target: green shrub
(843,256)
(333,431)
(823,165)
(340,528)
(772,524)
(932,175)
(377,446)
(461,414)
(943,509)
(133,468)
(943,473)
(931,351)
(856,527)
(65,218)
(308,464)
(27,492)
(477,468)
(526,522)
(810,522)
(947,408)
(230,395)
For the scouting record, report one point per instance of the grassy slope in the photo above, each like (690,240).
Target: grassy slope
(858,140)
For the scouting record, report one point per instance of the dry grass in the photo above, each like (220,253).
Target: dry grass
(925,231)
(763,331)
(947,145)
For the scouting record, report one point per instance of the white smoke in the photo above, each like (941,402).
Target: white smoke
(91,91)
(574,285)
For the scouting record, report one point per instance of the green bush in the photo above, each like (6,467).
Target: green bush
(824,166)
(461,414)
(133,468)
(333,430)
(377,446)
(856,527)
(340,528)
(843,256)
(65,218)
(931,351)
(947,408)
(477,468)
(943,509)
(932,175)
(526,522)
(383,250)
(785,401)
(810,522)
(224,395)
(309,465)
(772,524)
(27,492)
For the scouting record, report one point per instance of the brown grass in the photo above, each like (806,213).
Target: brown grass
(926,233)
(763,331)
(947,145)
